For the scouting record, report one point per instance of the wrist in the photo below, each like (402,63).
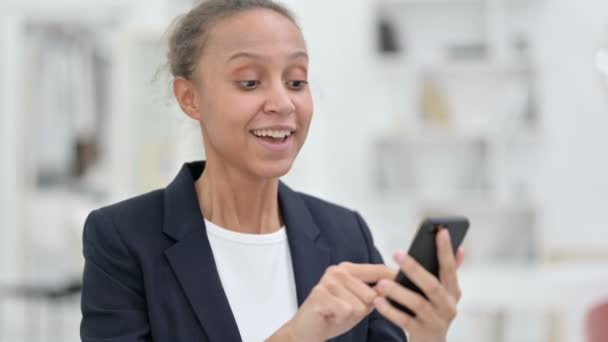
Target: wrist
(284,334)
(414,339)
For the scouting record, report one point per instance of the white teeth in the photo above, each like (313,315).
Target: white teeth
(279,134)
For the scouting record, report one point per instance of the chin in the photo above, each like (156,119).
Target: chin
(272,169)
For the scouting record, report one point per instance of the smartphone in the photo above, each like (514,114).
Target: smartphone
(424,249)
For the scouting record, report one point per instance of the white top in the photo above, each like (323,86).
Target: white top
(257,275)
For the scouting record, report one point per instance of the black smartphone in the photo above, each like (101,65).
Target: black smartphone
(424,249)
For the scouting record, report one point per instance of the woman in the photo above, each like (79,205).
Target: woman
(226,252)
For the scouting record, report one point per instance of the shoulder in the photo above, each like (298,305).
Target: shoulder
(344,228)
(334,216)
(123,224)
(116,244)
(327,212)
(142,207)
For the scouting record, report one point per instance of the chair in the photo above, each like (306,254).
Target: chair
(596,323)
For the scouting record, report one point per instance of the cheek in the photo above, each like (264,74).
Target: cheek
(227,109)
(225,119)
(305,110)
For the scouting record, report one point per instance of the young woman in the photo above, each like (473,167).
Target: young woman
(226,252)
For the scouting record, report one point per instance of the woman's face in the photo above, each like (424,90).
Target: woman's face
(255,103)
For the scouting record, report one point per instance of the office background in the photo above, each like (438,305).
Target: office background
(495,109)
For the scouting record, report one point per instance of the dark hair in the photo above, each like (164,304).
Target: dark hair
(190,31)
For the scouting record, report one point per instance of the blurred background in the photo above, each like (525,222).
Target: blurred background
(494,109)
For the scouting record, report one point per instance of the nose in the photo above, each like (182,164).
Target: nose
(278,100)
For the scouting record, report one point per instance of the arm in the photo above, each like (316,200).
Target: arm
(379,328)
(113,301)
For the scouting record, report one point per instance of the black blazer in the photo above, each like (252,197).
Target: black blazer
(149,271)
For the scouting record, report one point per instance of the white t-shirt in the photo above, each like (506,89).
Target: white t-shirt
(257,275)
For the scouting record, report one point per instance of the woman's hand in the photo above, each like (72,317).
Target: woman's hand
(433,316)
(340,300)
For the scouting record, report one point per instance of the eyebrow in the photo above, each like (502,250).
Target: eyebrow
(250,55)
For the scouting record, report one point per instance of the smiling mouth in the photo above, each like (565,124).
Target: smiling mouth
(272,136)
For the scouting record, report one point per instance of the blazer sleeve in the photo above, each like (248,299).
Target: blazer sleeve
(113,302)
(379,328)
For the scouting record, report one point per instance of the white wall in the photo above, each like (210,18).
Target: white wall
(573,185)
(9,138)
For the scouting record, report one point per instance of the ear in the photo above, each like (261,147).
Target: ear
(187,97)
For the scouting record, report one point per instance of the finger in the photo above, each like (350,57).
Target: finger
(342,310)
(430,286)
(353,306)
(396,316)
(419,305)
(459,257)
(339,290)
(360,289)
(369,273)
(447,263)
(364,293)
(323,302)
(330,307)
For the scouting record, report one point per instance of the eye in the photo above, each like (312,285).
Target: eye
(297,85)
(249,84)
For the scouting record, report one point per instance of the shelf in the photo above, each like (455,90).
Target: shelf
(449,2)
(480,68)
(468,203)
(69,11)
(432,136)
(430,2)
(541,287)
(396,66)
(474,202)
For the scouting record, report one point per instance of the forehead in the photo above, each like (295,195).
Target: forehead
(259,31)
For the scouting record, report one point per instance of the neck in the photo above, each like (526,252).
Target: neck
(238,202)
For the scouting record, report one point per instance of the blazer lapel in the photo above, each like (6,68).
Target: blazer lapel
(309,251)
(191,257)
